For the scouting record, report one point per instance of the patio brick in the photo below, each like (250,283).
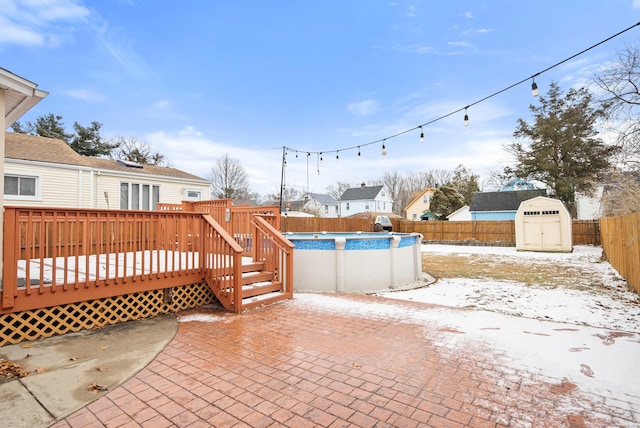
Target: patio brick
(289,364)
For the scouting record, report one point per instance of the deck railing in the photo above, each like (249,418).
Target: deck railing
(235,219)
(54,256)
(223,264)
(276,252)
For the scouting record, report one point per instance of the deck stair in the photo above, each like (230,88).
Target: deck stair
(260,287)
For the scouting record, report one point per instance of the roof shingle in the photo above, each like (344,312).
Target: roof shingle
(51,150)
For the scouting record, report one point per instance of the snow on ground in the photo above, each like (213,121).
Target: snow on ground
(588,335)
(609,306)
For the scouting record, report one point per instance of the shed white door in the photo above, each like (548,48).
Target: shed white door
(542,232)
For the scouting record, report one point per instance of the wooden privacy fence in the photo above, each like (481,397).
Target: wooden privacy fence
(620,245)
(585,232)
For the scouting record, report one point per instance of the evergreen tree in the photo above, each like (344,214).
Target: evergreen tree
(446,200)
(465,182)
(561,147)
(88,141)
(49,126)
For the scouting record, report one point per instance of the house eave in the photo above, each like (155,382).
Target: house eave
(20,96)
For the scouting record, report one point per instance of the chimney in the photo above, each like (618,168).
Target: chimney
(363,185)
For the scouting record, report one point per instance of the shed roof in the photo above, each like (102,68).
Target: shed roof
(502,201)
(361,193)
(52,150)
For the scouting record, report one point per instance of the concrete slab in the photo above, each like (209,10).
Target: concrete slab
(61,368)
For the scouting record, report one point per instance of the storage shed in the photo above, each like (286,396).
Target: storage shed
(543,224)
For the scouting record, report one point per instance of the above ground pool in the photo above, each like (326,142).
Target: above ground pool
(357,262)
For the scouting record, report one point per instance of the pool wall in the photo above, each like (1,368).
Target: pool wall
(355,263)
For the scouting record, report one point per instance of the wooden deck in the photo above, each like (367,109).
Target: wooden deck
(59,256)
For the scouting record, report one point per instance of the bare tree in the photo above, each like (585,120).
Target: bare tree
(288,194)
(338,189)
(620,83)
(229,179)
(621,194)
(134,150)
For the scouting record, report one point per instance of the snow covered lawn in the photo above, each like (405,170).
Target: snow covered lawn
(598,298)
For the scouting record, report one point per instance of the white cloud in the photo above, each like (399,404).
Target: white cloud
(121,49)
(13,33)
(37,22)
(161,104)
(467,15)
(636,4)
(459,44)
(364,108)
(84,94)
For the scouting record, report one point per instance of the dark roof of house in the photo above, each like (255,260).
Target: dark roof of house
(502,201)
(323,199)
(51,150)
(361,193)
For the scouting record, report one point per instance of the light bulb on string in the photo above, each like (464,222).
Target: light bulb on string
(358,152)
(421,135)
(338,156)
(466,117)
(384,149)
(534,88)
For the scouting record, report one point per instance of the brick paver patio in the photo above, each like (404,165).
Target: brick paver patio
(297,365)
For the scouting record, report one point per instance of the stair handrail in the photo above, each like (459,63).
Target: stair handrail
(274,236)
(235,303)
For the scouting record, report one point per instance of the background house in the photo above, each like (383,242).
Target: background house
(365,199)
(41,171)
(500,205)
(316,204)
(461,214)
(419,204)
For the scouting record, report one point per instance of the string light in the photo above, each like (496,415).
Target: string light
(338,156)
(534,91)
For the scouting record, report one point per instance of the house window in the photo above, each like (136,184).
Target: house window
(426,199)
(415,216)
(193,194)
(326,209)
(22,187)
(136,196)
(347,206)
(366,207)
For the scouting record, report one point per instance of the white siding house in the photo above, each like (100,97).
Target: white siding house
(363,199)
(43,171)
(316,204)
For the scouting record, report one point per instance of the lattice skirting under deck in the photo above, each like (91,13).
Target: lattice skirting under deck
(46,322)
